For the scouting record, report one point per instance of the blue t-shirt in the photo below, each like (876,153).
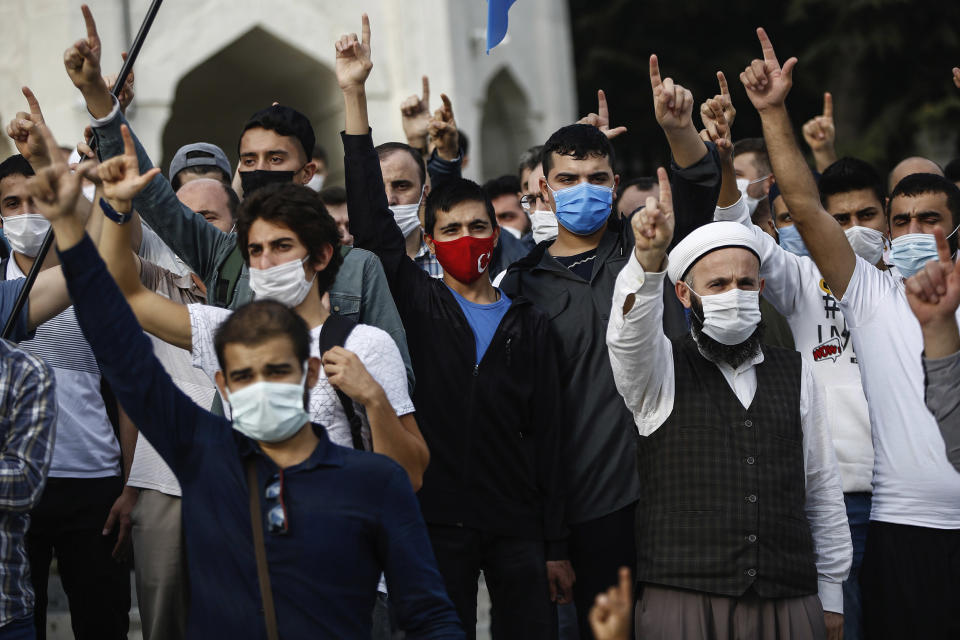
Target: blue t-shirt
(483,319)
(9,290)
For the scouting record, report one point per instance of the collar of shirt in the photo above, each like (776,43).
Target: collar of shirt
(326,454)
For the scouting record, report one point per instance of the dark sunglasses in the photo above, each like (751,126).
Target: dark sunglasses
(277,522)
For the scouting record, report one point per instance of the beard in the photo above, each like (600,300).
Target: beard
(732,354)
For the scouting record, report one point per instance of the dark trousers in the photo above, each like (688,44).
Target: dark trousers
(19,629)
(516,574)
(858,517)
(69,522)
(598,548)
(911,582)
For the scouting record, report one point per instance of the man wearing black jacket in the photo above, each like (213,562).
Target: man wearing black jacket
(572,279)
(487,385)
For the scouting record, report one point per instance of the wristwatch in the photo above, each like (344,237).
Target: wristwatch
(113,214)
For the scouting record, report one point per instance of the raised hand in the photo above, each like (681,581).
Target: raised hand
(126,93)
(82,60)
(121,175)
(729,112)
(819,132)
(716,129)
(956,77)
(443,131)
(415,117)
(934,291)
(653,226)
(353,58)
(766,82)
(612,612)
(55,188)
(601,119)
(673,105)
(23,129)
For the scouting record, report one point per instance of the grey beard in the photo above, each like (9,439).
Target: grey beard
(732,354)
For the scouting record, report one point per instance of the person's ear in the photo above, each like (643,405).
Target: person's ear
(768,184)
(313,371)
(307,172)
(496,234)
(616,181)
(322,258)
(428,240)
(763,283)
(683,293)
(221,383)
(546,194)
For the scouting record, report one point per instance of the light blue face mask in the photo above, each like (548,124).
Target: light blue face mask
(792,241)
(912,251)
(583,208)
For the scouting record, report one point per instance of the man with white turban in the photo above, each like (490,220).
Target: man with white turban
(741,527)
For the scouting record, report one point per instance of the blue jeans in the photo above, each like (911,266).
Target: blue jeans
(19,629)
(858,515)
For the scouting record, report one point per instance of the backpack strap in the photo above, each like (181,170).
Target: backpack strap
(334,333)
(260,550)
(227,278)
(3,268)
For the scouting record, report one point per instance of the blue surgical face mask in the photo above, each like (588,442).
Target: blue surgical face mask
(914,250)
(583,208)
(792,241)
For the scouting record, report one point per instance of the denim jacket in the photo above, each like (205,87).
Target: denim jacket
(359,292)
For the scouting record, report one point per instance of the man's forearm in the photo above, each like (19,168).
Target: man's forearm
(941,339)
(391,439)
(793,175)
(355,112)
(98,98)
(685,145)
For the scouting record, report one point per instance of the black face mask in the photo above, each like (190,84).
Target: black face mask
(253,180)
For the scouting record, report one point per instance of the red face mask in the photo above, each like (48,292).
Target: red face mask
(465,258)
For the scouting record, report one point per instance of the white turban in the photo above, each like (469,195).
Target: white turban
(703,240)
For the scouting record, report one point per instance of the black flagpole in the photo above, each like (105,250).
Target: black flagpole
(48,239)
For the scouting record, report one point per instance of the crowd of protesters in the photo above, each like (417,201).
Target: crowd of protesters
(721,402)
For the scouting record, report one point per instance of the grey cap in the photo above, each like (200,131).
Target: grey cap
(199,154)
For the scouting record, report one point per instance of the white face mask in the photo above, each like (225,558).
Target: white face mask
(730,317)
(407,216)
(284,283)
(26,232)
(269,411)
(316,182)
(751,202)
(543,225)
(867,243)
(516,233)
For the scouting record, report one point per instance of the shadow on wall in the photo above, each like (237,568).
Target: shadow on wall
(215,99)
(504,129)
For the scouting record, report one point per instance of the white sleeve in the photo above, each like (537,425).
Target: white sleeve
(737,212)
(825,508)
(641,356)
(99,122)
(204,322)
(868,286)
(379,354)
(153,249)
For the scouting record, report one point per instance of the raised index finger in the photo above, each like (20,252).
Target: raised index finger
(655,80)
(602,109)
(943,249)
(767,47)
(53,150)
(32,101)
(426,91)
(724,89)
(365,29)
(827,105)
(91,24)
(666,194)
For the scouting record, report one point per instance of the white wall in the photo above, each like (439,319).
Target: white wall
(441,38)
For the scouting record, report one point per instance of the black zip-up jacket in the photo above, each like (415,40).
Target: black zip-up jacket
(492,427)
(599,451)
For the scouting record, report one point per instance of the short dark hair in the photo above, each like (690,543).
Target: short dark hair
(851,174)
(388,148)
(917,184)
(952,171)
(450,194)
(256,322)
(300,209)
(504,185)
(330,196)
(199,170)
(529,159)
(578,141)
(285,121)
(756,146)
(15,165)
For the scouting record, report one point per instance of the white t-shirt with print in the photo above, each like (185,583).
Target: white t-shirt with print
(913,483)
(375,348)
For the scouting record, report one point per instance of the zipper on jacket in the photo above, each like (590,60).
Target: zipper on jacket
(476,370)
(509,340)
